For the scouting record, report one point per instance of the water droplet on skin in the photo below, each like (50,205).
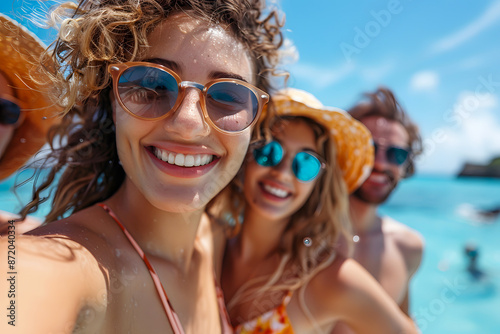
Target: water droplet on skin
(22,140)
(117,252)
(355,238)
(44,117)
(81,140)
(307,242)
(183,28)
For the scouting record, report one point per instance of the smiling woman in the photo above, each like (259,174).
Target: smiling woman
(160,101)
(26,113)
(281,273)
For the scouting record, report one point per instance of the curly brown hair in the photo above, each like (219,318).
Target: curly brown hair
(96,33)
(383,103)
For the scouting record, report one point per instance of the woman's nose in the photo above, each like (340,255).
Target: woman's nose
(284,169)
(188,121)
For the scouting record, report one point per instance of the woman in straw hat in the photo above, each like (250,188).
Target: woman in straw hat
(25,111)
(281,273)
(161,98)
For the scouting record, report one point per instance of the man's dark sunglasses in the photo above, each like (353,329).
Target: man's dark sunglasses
(394,154)
(9,112)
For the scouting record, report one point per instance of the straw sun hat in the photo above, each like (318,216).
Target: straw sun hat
(19,50)
(353,140)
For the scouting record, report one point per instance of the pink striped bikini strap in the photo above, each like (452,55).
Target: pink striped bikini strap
(226,326)
(175,323)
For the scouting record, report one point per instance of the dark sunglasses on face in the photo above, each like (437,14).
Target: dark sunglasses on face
(394,154)
(151,91)
(306,165)
(9,112)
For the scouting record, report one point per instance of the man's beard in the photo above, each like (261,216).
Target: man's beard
(364,196)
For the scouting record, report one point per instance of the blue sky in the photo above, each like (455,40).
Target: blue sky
(441,58)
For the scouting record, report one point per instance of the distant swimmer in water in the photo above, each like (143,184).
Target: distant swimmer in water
(483,216)
(472,253)
(491,214)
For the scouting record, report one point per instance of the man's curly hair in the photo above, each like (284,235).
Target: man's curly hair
(383,103)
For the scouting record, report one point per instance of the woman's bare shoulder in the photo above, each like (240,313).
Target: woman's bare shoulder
(345,282)
(56,269)
(346,291)
(339,278)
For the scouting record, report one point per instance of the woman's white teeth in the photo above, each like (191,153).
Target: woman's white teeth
(275,191)
(179,159)
(183,160)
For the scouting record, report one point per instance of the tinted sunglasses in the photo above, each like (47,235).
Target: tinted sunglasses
(9,112)
(394,154)
(306,165)
(151,91)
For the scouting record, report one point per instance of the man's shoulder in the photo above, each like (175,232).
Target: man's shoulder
(402,234)
(409,241)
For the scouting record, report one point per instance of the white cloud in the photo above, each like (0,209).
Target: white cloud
(471,134)
(320,77)
(376,74)
(424,80)
(288,53)
(484,60)
(490,17)
(470,63)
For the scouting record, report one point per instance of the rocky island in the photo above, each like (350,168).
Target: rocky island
(490,170)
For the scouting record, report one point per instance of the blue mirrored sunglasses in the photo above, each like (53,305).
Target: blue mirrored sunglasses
(394,154)
(306,165)
(9,112)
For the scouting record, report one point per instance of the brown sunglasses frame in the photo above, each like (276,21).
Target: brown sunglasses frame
(116,70)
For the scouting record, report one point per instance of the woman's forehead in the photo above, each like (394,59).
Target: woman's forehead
(294,133)
(186,39)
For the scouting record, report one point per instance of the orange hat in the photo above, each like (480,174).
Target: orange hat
(19,50)
(353,140)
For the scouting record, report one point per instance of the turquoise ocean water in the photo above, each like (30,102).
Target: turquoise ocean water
(445,297)
(14,201)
